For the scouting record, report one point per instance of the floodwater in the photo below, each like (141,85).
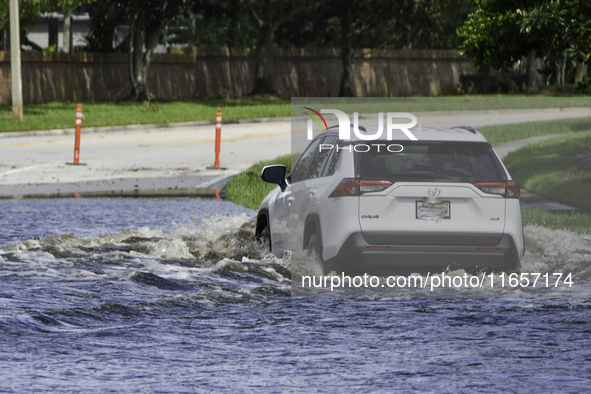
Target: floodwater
(174,295)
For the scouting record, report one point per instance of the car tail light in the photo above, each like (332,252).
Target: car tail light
(356,187)
(513,190)
(505,189)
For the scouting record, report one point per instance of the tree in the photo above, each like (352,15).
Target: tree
(564,25)
(492,35)
(372,24)
(223,23)
(501,32)
(566,28)
(29,11)
(147,21)
(445,16)
(105,16)
(378,24)
(267,16)
(64,7)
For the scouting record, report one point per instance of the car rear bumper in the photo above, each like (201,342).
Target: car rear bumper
(357,256)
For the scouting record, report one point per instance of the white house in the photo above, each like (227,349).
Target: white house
(48,30)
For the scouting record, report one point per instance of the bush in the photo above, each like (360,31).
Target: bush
(585,86)
(493,84)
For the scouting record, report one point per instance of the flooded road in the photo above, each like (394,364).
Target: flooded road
(174,295)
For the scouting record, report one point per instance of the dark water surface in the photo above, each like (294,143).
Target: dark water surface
(173,295)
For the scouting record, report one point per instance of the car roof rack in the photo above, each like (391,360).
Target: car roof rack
(468,128)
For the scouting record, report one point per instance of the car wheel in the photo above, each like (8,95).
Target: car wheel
(315,249)
(265,238)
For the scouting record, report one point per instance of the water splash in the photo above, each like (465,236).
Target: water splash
(221,252)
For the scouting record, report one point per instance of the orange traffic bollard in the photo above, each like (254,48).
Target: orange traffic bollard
(79,117)
(218,141)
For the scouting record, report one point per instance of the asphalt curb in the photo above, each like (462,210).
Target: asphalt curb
(207,193)
(178,186)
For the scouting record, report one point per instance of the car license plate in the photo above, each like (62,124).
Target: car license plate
(433,210)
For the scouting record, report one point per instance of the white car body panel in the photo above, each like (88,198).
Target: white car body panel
(396,208)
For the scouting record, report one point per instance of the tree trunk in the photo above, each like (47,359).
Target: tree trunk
(580,72)
(141,48)
(263,71)
(346,89)
(137,69)
(272,14)
(67,36)
(534,79)
(561,68)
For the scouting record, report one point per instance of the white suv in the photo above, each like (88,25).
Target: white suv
(444,202)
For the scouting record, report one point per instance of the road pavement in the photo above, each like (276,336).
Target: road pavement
(174,160)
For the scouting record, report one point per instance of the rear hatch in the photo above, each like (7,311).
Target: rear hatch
(432,193)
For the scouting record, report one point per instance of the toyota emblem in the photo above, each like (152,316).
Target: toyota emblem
(434,191)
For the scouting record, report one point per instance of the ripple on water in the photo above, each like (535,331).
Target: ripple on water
(175,295)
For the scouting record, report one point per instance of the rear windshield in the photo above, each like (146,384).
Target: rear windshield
(428,161)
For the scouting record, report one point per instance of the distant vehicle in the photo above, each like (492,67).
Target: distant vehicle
(444,202)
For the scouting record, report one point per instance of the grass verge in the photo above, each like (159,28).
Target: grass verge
(558,168)
(248,189)
(451,103)
(575,221)
(62,115)
(510,132)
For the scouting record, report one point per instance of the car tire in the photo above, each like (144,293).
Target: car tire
(315,249)
(265,238)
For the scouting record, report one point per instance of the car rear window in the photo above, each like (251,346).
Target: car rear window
(428,162)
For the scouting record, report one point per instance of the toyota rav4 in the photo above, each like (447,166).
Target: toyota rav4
(443,202)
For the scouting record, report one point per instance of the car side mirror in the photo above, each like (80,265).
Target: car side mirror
(275,174)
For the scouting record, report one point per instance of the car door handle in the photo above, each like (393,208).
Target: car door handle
(312,193)
(290,201)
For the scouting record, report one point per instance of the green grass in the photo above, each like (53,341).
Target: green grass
(558,168)
(62,115)
(503,133)
(452,103)
(576,221)
(248,189)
